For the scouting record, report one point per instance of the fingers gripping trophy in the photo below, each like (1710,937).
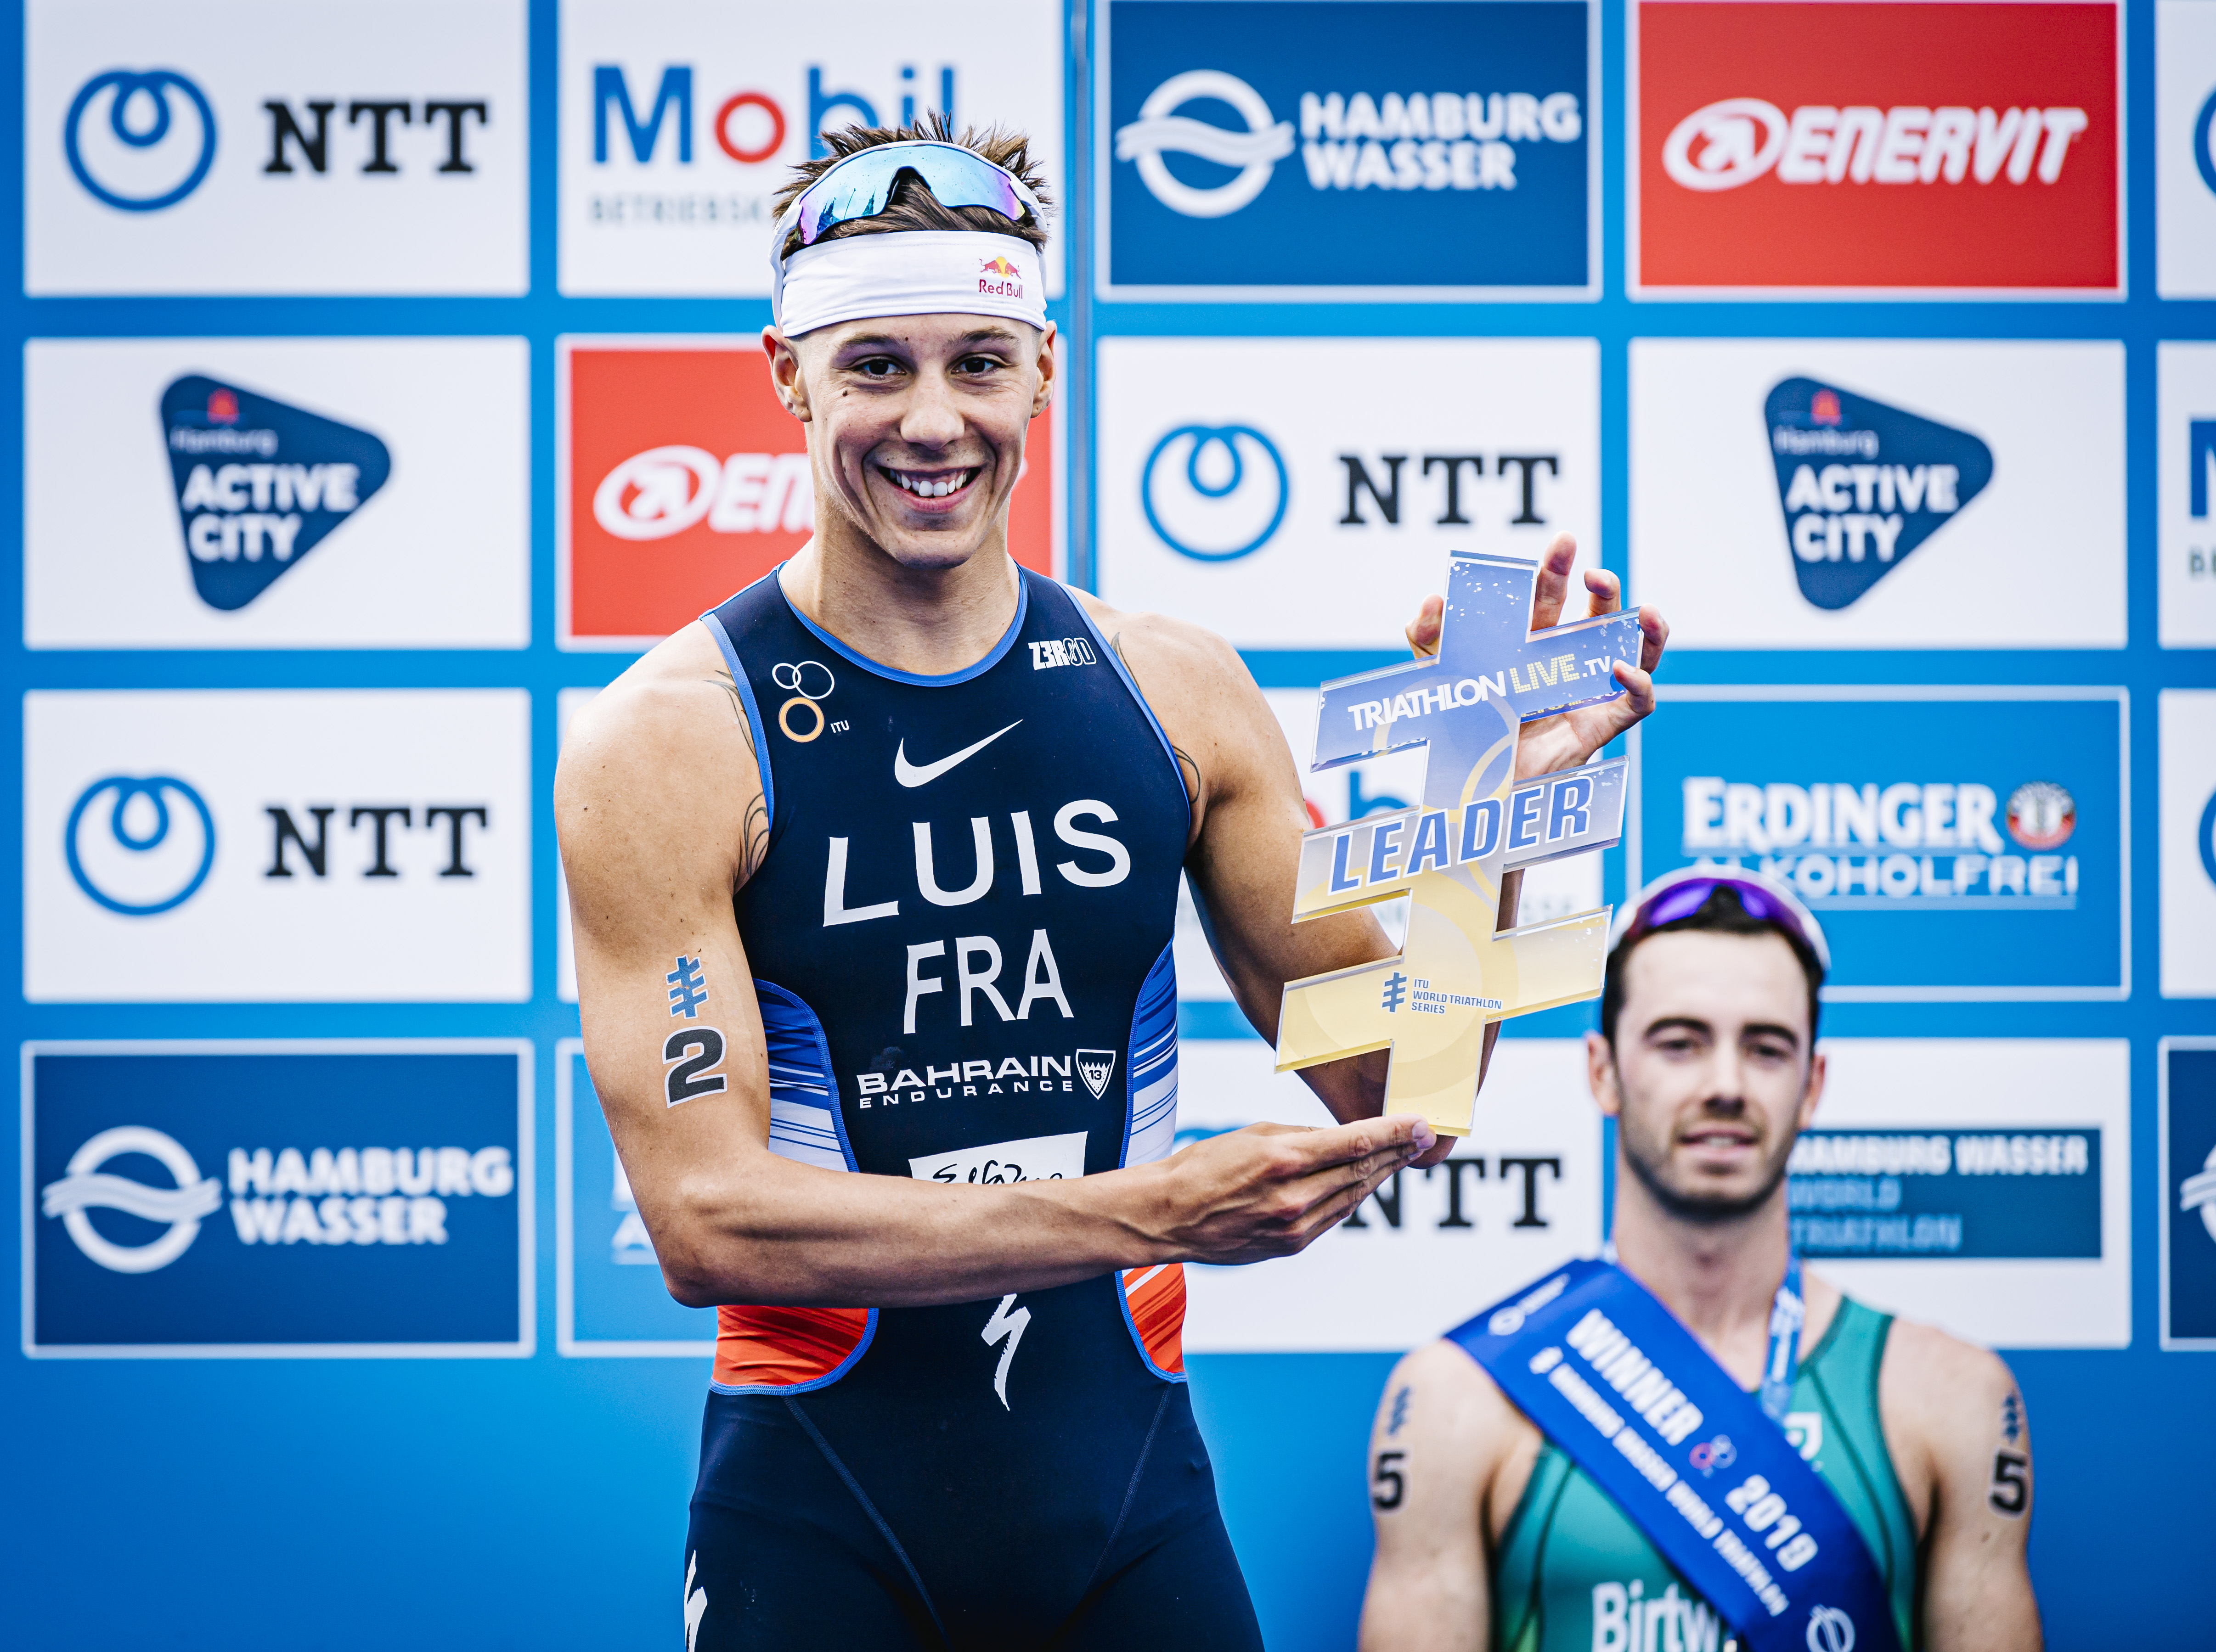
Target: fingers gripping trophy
(1500,693)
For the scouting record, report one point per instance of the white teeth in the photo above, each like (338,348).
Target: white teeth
(932,487)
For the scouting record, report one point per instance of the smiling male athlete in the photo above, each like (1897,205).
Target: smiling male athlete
(1489,1536)
(873,874)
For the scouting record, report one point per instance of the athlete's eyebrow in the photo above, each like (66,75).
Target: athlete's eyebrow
(1669,1024)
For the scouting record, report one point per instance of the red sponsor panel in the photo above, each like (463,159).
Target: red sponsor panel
(1929,145)
(687,480)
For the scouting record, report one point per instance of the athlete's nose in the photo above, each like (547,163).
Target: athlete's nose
(931,418)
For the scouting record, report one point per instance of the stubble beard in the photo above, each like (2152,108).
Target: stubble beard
(1650,1163)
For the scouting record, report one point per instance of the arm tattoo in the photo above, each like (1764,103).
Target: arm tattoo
(2008,1492)
(754,829)
(1188,769)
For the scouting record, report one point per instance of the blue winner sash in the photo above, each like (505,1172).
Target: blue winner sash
(1596,1361)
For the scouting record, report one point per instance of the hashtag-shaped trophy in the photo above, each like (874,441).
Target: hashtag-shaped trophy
(1458,970)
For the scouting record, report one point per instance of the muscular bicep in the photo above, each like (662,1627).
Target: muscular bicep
(1431,1453)
(652,802)
(1960,1409)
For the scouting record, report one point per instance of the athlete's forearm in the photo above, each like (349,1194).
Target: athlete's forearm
(778,1232)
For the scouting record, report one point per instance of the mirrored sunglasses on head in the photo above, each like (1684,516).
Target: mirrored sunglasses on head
(862,185)
(1679,894)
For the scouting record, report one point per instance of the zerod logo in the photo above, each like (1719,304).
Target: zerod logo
(139,141)
(140,845)
(87,1186)
(1862,484)
(259,484)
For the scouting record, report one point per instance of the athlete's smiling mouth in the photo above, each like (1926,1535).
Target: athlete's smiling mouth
(931,485)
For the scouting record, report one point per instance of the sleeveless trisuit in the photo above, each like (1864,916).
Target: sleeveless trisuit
(961,935)
(1572,1574)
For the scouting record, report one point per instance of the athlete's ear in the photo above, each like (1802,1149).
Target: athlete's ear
(1044,393)
(1600,1074)
(785,372)
(1814,1093)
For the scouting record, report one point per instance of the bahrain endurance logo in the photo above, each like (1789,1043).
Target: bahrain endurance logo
(1864,484)
(1457,971)
(259,484)
(86,1187)
(1159,129)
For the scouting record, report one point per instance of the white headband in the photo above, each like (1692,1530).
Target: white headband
(907,272)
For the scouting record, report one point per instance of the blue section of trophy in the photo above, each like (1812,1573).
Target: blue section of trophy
(259,484)
(1864,484)
(1953,848)
(255,1201)
(1272,146)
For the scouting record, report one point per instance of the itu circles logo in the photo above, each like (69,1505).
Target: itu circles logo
(1162,130)
(1830,1630)
(1739,141)
(809,682)
(1214,493)
(85,1187)
(140,845)
(139,140)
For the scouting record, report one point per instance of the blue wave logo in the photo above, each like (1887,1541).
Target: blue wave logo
(87,1186)
(134,154)
(140,846)
(1214,493)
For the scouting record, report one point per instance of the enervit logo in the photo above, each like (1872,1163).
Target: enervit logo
(666,490)
(87,1187)
(139,141)
(1738,140)
(1862,484)
(1214,493)
(1255,151)
(140,846)
(259,483)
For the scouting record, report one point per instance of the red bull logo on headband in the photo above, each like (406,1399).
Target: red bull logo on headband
(1000,278)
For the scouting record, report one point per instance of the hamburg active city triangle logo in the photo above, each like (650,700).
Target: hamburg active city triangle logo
(1864,484)
(259,484)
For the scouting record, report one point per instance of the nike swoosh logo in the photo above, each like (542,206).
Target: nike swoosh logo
(909,775)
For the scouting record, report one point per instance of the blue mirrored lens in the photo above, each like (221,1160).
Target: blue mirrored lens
(861,186)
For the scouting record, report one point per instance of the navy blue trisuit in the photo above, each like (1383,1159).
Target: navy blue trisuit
(961,936)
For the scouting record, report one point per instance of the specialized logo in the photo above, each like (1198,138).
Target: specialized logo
(259,484)
(666,490)
(139,140)
(1735,141)
(1010,1326)
(87,1187)
(2041,816)
(140,845)
(1862,484)
(1159,129)
(910,775)
(1096,1067)
(810,682)
(1208,493)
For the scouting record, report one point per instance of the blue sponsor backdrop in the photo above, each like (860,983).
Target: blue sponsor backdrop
(343,1198)
(1973,1192)
(2188,1193)
(540,1502)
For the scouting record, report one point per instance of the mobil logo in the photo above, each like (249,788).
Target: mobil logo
(685,479)
(1330,144)
(1214,493)
(1862,484)
(259,483)
(747,126)
(1867,146)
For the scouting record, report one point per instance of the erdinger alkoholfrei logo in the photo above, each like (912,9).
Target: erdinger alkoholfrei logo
(259,484)
(1864,484)
(1160,129)
(139,844)
(139,140)
(86,1186)
(1214,493)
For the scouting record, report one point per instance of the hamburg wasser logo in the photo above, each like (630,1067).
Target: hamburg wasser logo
(87,1186)
(259,484)
(1864,484)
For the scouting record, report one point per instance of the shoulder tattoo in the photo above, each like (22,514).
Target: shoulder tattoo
(1188,769)
(754,829)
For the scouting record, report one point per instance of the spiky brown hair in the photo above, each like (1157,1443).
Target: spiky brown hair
(913,206)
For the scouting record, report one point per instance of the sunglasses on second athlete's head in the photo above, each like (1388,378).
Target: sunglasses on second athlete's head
(862,185)
(1680,894)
